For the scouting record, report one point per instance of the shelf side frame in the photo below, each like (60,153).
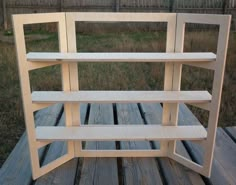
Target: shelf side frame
(24,68)
(168,116)
(169,18)
(223,21)
(73,76)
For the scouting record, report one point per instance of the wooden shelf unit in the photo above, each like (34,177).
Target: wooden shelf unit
(174,57)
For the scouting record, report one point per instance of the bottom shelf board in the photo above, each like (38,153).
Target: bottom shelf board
(121,133)
(121,96)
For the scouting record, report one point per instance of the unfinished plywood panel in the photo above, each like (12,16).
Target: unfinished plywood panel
(19,21)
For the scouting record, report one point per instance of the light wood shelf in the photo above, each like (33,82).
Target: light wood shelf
(120,57)
(118,133)
(121,96)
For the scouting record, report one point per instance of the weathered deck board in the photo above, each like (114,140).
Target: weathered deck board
(232,132)
(224,162)
(136,170)
(173,172)
(17,168)
(152,114)
(100,171)
(65,174)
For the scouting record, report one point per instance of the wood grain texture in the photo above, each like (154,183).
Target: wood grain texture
(100,171)
(17,169)
(174,173)
(136,170)
(130,132)
(224,163)
(121,96)
(120,57)
(74,76)
(65,174)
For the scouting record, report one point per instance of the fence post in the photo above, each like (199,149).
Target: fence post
(171,5)
(4,14)
(60,4)
(225,4)
(117,5)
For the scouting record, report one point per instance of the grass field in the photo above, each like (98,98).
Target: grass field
(111,76)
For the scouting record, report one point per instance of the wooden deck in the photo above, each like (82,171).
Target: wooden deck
(16,170)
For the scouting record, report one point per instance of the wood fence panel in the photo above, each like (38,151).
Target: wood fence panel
(184,6)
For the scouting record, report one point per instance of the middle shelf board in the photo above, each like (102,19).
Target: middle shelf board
(121,96)
(121,57)
(121,132)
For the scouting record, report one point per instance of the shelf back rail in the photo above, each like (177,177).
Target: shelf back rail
(24,67)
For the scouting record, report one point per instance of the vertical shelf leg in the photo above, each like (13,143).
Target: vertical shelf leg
(174,108)
(65,69)
(170,111)
(166,115)
(176,77)
(73,75)
(168,79)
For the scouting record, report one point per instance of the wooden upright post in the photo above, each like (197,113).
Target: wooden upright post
(60,5)
(117,6)
(171,5)
(4,14)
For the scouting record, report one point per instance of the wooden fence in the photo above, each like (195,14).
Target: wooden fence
(9,7)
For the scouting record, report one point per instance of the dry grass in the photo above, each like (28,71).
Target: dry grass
(110,76)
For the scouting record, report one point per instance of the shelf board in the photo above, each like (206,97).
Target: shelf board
(121,133)
(120,57)
(121,96)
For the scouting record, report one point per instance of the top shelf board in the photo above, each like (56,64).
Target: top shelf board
(120,57)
